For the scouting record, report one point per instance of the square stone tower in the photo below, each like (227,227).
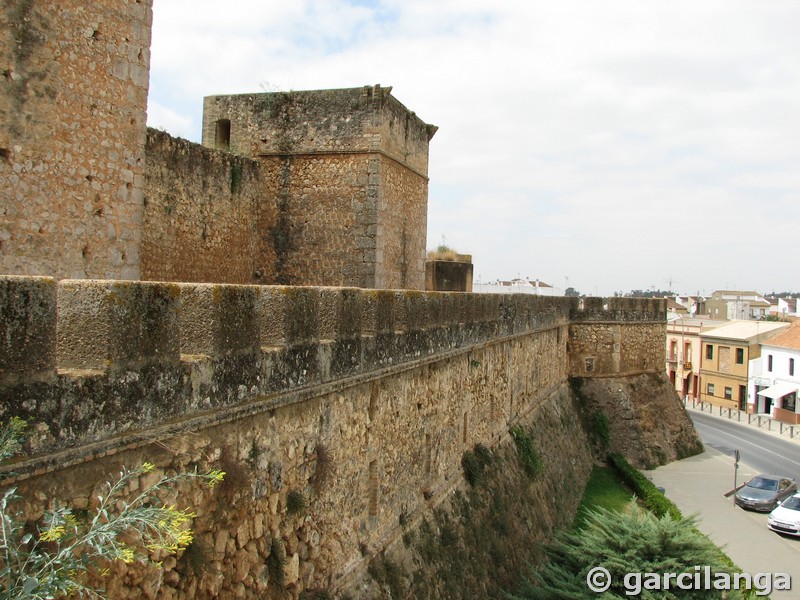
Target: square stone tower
(73,101)
(348,170)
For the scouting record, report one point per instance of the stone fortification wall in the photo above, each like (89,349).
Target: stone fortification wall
(359,402)
(133,354)
(614,336)
(362,120)
(326,225)
(207,215)
(72,128)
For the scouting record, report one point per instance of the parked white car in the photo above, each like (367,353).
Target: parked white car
(786,517)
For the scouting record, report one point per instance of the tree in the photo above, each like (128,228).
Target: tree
(572,292)
(633,541)
(54,558)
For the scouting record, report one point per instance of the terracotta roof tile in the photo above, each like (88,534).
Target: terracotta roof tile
(788,338)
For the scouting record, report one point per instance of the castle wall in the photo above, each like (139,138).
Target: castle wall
(362,402)
(604,342)
(206,216)
(72,129)
(402,225)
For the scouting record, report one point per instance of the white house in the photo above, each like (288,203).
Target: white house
(775,382)
(515,286)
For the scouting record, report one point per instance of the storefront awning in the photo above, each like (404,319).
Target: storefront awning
(779,390)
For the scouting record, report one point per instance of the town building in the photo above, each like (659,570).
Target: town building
(737,304)
(517,286)
(726,355)
(775,379)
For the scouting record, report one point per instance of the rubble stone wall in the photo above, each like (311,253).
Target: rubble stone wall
(206,215)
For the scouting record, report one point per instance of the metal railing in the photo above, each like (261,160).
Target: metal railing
(761,421)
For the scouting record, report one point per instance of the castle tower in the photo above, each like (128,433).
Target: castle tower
(348,171)
(73,100)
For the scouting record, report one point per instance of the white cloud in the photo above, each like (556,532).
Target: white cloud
(617,143)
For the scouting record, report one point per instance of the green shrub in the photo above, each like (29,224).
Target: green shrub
(629,541)
(54,558)
(295,502)
(474,462)
(645,490)
(528,457)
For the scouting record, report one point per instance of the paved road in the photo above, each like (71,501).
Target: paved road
(697,486)
(766,452)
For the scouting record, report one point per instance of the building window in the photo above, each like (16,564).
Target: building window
(222,134)
(769,363)
(740,356)
(789,401)
(710,389)
(791,366)
(728,393)
(709,351)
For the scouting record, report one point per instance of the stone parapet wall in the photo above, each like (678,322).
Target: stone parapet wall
(132,354)
(72,128)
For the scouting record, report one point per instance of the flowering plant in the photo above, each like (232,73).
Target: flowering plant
(53,559)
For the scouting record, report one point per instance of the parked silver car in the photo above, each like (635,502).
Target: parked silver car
(764,492)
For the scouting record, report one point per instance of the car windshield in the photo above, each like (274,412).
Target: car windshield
(760,483)
(793,503)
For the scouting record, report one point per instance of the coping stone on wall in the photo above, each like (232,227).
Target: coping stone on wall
(218,320)
(27,326)
(116,324)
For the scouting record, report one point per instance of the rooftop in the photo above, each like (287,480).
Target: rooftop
(749,331)
(789,338)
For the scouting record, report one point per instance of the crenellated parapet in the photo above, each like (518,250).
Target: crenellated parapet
(97,360)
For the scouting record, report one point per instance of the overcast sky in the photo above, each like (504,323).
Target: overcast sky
(609,145)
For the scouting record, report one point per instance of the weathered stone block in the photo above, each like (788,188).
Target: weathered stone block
(340,313)
(116,324)
(27,325)
(216,320)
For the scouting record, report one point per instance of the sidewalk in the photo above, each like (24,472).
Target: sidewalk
(697,486)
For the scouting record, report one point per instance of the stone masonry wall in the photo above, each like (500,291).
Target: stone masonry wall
(605,342)
(72,128)
(360,402)
(324,229)
(402,227)
(207,215)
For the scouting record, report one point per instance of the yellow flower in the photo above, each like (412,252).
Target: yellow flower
(126,555)
(215,476)
(147,467)
(53,534)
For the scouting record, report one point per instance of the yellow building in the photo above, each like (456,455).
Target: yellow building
(725,357)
